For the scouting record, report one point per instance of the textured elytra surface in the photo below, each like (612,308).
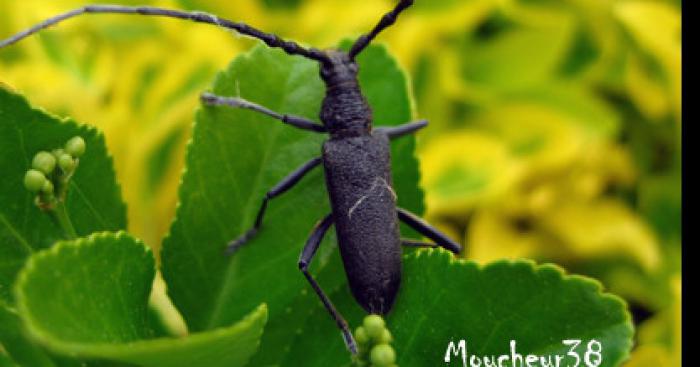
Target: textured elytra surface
(358,177)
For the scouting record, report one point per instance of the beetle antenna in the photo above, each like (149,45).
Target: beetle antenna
(270,39)
(387,20)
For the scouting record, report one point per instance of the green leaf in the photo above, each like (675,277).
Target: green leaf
(517,58)
(98,289)
(281,4)
(236,156)
(93,202)
(443,300)
(660,201)
(13,340)
(5,361)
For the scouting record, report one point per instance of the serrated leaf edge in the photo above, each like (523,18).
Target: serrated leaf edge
(35,331)
(114,349)
(562,275)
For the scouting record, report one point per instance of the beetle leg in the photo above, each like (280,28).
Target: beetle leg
(282,187)
(235,102)
(305,258)
(413,243)
(428,231)
(401,130)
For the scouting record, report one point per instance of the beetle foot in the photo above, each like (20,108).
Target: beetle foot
(234,245)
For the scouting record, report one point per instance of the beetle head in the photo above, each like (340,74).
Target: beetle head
(339,68)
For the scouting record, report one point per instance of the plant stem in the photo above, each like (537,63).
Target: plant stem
(60,216)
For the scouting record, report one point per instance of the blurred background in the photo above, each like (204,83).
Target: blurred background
(555,124)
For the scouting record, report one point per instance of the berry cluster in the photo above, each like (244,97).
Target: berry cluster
(51,171)
(373,339)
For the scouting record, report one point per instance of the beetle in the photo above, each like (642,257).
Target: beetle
(355,160)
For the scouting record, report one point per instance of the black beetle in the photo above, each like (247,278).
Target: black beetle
(355,159)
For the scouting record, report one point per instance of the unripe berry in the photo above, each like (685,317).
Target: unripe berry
(66,162)
(44,162)
(34,180)
(361,336)
(374,326)
(47,188)
(58,152)
(385,338)
(382,355)
(75,146)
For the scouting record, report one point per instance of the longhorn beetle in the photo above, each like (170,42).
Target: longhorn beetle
(355,160)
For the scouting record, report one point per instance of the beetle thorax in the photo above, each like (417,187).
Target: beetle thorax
(345,111)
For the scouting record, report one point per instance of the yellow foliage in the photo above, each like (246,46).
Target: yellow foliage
(602,228)
(464,169)
(660,336)
(656,27)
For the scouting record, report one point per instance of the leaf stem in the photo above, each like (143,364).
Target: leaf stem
(60,216)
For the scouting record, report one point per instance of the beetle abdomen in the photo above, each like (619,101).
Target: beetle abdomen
(358,176)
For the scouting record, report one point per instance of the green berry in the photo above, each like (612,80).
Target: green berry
(361,336)
(58,152)
(47,188)
(44,162)
(66,162)
(382,355)
(75,146)
(385,338)
(374,326)
(34,180)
